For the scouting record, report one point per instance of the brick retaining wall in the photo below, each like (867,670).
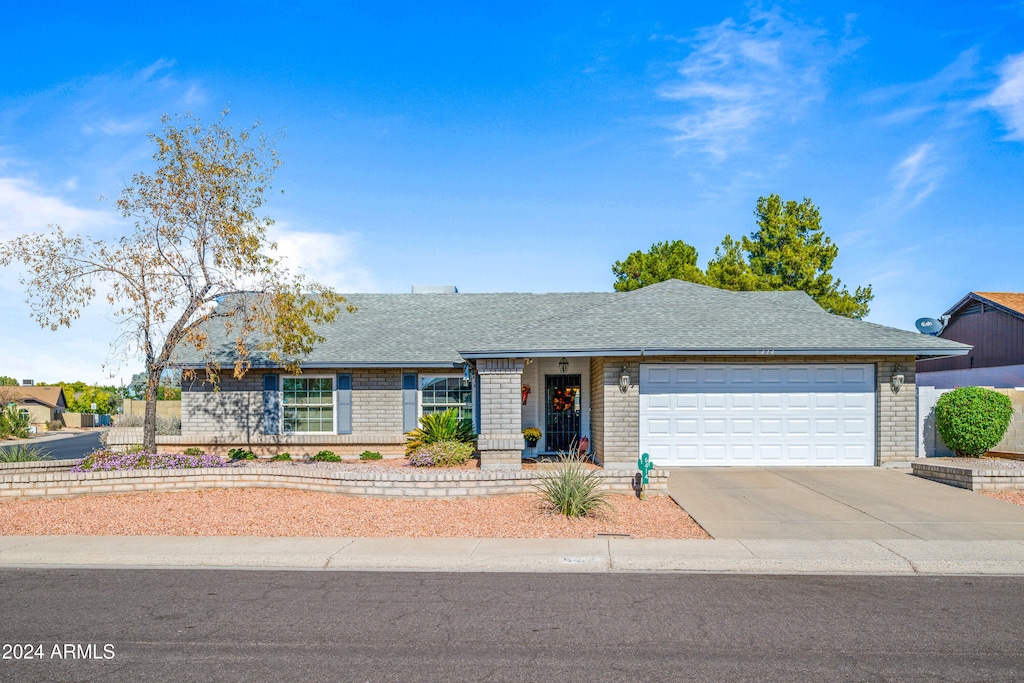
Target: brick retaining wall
(60,483)
(973,478)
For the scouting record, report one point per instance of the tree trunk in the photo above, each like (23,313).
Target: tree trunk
(149,426)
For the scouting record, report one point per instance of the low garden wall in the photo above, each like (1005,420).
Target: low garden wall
(982,477)
(54,480)
(120,438)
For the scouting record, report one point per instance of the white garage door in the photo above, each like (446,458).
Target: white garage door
(758,414)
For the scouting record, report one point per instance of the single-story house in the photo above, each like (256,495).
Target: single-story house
(690,374)
(40,404)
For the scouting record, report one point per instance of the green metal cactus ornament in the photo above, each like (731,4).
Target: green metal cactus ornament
(645,465)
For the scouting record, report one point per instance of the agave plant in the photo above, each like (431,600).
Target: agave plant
(440,426)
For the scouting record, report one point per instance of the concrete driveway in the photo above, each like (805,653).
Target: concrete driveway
(821,503)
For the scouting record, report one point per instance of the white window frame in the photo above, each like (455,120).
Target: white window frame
(421,377)
(334,403)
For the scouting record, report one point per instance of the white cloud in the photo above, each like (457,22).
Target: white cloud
(327,257)
(947,94)
(1008,98)
(24,207)
(741,78)
(915,177)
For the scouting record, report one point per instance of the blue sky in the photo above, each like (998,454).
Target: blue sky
(527,146)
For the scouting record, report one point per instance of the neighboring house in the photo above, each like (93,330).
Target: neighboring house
(991,322)
(690,374)
(40,404)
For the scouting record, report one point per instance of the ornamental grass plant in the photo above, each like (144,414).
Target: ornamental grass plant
(572,488)
(22,453)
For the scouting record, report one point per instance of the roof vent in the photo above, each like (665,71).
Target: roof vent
(435,289)
(28,382)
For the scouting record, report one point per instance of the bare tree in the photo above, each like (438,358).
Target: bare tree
(197,263)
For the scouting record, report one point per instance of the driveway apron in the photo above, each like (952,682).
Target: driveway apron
(823,503)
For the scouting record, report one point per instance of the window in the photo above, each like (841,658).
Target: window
(308,404)
(441,393)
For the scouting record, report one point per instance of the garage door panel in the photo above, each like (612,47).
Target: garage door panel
(758,414)
(687,427)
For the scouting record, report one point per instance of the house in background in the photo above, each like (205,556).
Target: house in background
(690,374)
(993,324)
(40,404)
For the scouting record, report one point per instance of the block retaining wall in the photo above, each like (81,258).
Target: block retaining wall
(972,478)
(60,483)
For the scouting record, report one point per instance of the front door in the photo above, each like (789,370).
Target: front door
(562,412)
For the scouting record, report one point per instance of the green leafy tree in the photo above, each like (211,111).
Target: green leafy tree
(6,381)
(729,268)
(664,261)
(198,252)
(788,251)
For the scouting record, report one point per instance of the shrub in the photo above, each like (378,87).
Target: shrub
(440,426)
(194,451)
(571,488)
(13,423)
(134,448)
(370,455)
(282,456)
(241,454)
(971,420)
(53,425)
(326,456)
(22,453)
(441,454)
(108,460)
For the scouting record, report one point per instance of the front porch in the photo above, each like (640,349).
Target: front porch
(566,398)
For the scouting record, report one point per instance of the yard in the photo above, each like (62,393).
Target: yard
(280,512)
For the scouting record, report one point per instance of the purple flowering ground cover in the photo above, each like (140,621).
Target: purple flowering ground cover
(109,461)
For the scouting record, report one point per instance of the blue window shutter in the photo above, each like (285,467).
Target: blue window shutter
(409,420)
(271,405)
(344,390)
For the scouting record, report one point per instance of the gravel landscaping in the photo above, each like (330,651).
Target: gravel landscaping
(1015,497)
(989,463)
(278,512)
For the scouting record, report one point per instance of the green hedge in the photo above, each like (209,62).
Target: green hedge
(971,420)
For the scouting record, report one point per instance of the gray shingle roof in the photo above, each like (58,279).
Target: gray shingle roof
(673,316)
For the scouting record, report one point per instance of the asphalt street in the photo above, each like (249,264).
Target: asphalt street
(69,448)
(203,625)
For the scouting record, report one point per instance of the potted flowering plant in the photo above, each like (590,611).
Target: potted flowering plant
(532,436)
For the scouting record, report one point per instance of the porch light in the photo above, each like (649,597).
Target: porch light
(896,381)
(563,365)
(624,379)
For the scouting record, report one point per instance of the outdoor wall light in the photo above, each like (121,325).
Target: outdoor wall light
(896,381)
(624,379)
(563,365)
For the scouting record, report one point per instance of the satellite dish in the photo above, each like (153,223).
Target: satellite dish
(929,326)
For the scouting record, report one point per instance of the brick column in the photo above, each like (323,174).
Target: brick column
(501,438)
(896,427)
(620,442)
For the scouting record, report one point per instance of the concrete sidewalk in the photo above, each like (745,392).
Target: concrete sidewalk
(605,555)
